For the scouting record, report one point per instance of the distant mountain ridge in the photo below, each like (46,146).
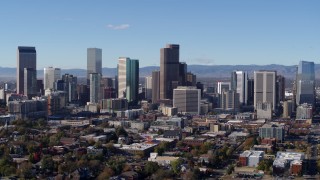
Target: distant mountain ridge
(216,71)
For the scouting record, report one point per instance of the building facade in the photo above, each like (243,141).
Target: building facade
(272,131)
(265,88)
(239,83)
(305,83)
(26,58)
(95,93)
(94,61)
(128,79)
(30,82)
(148,87)
(187,99)
(51,75)
(169,70)
(155,86)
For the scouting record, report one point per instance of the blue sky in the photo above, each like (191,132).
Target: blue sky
(210,32)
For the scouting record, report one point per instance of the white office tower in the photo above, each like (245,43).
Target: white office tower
(148,87)
(94,61)
(223,86)
(95,81)
(265,88)
(51,75)
(239,83)
(187,99)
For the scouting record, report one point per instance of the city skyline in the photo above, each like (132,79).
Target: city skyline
(255,32)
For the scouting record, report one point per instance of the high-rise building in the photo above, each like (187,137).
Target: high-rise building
(26,58)
(187,99)
(30,82)
(83,94)
(287,109)
(305,83)
(223,86)
(94,61)
(272,131)
(148,87)
(280,88)
(51,75)
(239,83)
(128,79)
(169,70)
(191,79)
(155,86)
(95,93)
(230,100)
(250,91)
(265,88)
(182,74)
(264,110)
(304,111)
(70,86)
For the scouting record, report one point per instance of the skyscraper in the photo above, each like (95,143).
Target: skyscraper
(94,61)
(70,86)
(51,75)
(128,79)
(183,74)
(191,79)
(187,99)
(305,83)
(148,87)
(239,83)
(95,80)
(223,86)
(155,86)
(265,88)
(26,58)
(230,100)
(30,82)
(169,70)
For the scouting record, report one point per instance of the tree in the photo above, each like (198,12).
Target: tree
(24,170)
(230,169)
(195,174)
(205,147)
(47,163)
(151,167)
(162,174)
(176,165)
(120,131)
(7,166)
(116,164)
(95,167)
(265,165)
(106,173)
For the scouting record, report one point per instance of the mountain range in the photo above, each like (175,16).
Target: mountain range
(215,71)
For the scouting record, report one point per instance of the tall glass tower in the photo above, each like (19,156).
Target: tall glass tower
(94,61)
(128,79)
(305,83)
(26,58)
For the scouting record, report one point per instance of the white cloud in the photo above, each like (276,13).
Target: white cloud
(118,27)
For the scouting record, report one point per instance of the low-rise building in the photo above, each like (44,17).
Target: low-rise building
(162,160)
(169,111)
(194,141)
(137,148)
(251,158)
(286,160)
(94,151)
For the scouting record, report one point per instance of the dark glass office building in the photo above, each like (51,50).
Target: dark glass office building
(305,83)
(26,58)
(169,70)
